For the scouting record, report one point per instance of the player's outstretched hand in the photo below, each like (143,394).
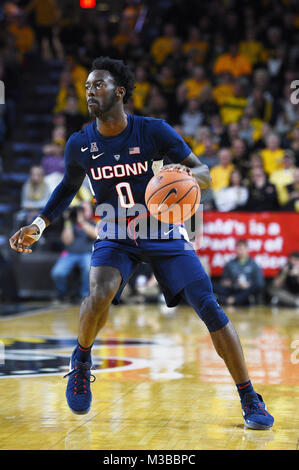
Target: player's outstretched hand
(201,173)
(24,238)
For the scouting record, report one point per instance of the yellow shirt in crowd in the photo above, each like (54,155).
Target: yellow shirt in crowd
(161,48)
(46,12)
(220,176)
(61,99)
(253,50)
(272,159)
(199,48)
(140,94)
(235,65)
(222,92)
(24,38)
(232,109)
(194,87)
(281,178)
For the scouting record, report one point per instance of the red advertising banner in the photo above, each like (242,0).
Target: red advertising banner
(271,237)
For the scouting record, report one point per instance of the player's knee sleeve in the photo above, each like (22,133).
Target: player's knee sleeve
(199,295)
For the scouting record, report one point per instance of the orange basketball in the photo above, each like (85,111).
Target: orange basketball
(172,196)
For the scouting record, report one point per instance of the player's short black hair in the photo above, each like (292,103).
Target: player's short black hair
(121,73)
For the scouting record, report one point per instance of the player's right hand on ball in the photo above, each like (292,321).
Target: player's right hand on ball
(23,238)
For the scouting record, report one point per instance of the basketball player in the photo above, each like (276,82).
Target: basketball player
(116,151)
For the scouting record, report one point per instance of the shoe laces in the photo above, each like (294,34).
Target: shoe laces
(254,405)
(80,377)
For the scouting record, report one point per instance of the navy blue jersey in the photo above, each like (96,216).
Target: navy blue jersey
(120,167)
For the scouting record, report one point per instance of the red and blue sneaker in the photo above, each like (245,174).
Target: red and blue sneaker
(78,394)
(255,413)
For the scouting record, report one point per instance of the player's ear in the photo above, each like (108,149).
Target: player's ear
(120,92)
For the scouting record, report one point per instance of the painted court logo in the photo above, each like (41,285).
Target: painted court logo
(38,355)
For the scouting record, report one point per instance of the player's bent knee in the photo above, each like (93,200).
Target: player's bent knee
(101,297)
(200,296)
(212,314)
(101,294)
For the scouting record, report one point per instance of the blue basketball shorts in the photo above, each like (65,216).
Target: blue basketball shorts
(174,263)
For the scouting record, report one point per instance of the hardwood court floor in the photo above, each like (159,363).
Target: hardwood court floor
(160,385)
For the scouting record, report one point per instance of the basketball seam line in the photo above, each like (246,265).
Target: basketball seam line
(177,202)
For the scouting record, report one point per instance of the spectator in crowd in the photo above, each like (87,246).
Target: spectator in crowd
(141,90)
(59,131)
(261,81)
(255,161)
(285,176)
(241,278)
(272,154)
(24,35)
(220,173)
(166,80)
(74,119)
(34,196)
(233,106)
(52,163)
(193,86)
(122,39)
(209,156)
(292,189)
(217,130)
(262,105)
(251,47)
(78,234)
(69,87)
(284,289)
(207,104)
(77,70)
(52,160)
(260,136)
(234,196)
(162,46)
(276,65)
(262,194)
(232,132)
(240,156)
(46,18)
(157,104)
(201,135)
(191,118)
(246,130)
(224,87)
(233,62)
(273,40)
(88,49)
(177,59)
(195,46)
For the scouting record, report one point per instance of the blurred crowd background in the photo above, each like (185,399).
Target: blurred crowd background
(223,73)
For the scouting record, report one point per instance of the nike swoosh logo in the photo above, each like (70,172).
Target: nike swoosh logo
(83,149)
(166,233)
(170,192)
(96,156)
